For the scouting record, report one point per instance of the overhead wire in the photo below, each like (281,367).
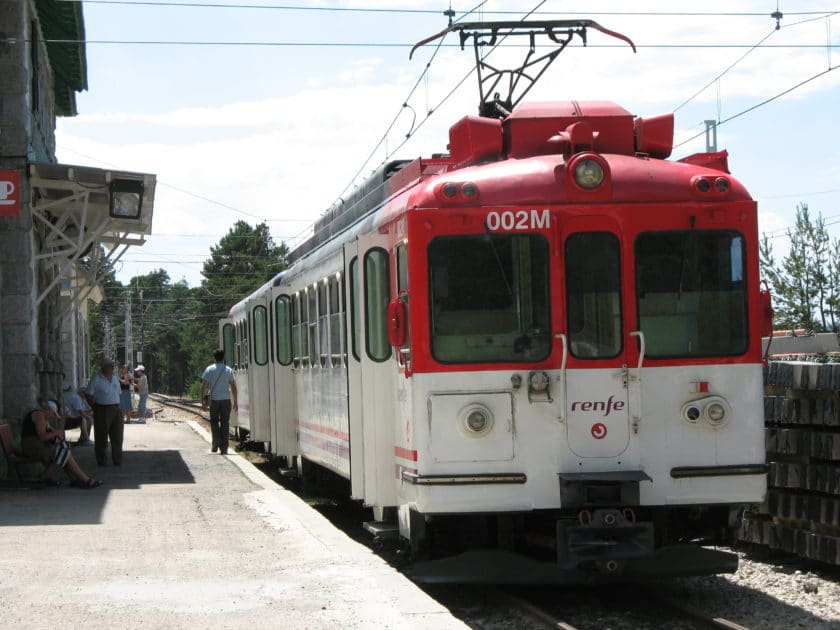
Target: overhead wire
(403,10)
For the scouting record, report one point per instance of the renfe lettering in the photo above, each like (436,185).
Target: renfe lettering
(607,406)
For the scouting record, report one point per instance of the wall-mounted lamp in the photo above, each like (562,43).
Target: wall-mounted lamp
(126,198)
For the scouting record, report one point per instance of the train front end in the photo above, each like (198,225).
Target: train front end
(582,399)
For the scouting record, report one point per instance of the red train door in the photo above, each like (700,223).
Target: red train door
(597,342)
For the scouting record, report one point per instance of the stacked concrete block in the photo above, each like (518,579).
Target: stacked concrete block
(802,434)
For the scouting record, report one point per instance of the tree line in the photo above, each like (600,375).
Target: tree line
(806,283)
(176,326)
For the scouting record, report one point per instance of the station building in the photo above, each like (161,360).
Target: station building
(62,226)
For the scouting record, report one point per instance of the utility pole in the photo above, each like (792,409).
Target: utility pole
(142,312)
(711,136)
(128,340)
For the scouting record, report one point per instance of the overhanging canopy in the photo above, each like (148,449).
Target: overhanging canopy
(83,238)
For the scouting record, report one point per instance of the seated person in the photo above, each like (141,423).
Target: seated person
(39,440)
(78,414)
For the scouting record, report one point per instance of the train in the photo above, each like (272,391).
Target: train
(536,356)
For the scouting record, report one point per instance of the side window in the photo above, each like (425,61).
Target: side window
(312,297)
(283,326)
(593,295)
(246,343)
(355,310)
(260,317)
(376,304)
(335,320)
(296,353)
(323,322)
(237,345)
(229,343)
(304,327)
(401,258)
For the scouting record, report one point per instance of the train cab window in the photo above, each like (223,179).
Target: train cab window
(229,343)
(355,309)
(283,326)
(489,298)
(260,317)
(323,323)
(593,295)
(691,293)
(377,294)
(401,259)
(335,321)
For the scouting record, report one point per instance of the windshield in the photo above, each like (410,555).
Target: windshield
(489,298)
(691,293)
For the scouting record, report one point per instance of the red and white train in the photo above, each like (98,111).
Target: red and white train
(539,354)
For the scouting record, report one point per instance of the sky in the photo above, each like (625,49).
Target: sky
(270,110)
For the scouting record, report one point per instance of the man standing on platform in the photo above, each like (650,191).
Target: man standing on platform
(103,394)
(218,384)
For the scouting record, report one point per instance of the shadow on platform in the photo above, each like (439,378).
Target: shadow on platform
(34,504)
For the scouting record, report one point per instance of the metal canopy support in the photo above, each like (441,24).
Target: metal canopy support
(73,204)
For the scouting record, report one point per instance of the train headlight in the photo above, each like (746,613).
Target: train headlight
(692,413)
(713,409)
(589,174)
(476,420)
(716,413)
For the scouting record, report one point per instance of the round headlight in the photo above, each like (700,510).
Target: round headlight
(721,184)
(703,185)
(469,190)
(692,413)
(716,413)
(477,420)
(589,174)
(450,190)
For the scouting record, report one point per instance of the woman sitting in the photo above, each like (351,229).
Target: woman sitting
(39,440)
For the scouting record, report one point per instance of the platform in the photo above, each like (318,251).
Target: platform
(178,537)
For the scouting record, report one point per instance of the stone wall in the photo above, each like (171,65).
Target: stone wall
(27,133)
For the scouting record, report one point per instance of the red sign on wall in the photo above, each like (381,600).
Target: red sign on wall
(9,193)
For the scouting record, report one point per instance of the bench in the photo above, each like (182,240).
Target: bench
(15,460)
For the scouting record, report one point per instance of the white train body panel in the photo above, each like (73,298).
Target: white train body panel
(532,439)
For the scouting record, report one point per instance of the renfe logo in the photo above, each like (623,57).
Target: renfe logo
(607,406)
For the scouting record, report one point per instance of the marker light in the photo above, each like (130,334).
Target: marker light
(477,421)
(589,174)
(469,190)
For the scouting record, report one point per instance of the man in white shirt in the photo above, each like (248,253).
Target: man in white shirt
(103,393)
(219,383)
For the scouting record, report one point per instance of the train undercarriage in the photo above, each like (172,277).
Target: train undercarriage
(586,545)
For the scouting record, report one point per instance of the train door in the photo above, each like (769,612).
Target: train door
(353,324)
(284,401)
(377,385)
(259,371)
(597,342)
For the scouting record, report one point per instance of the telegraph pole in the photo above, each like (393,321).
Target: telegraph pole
(128,340)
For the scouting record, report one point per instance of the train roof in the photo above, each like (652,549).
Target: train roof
(526,144)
